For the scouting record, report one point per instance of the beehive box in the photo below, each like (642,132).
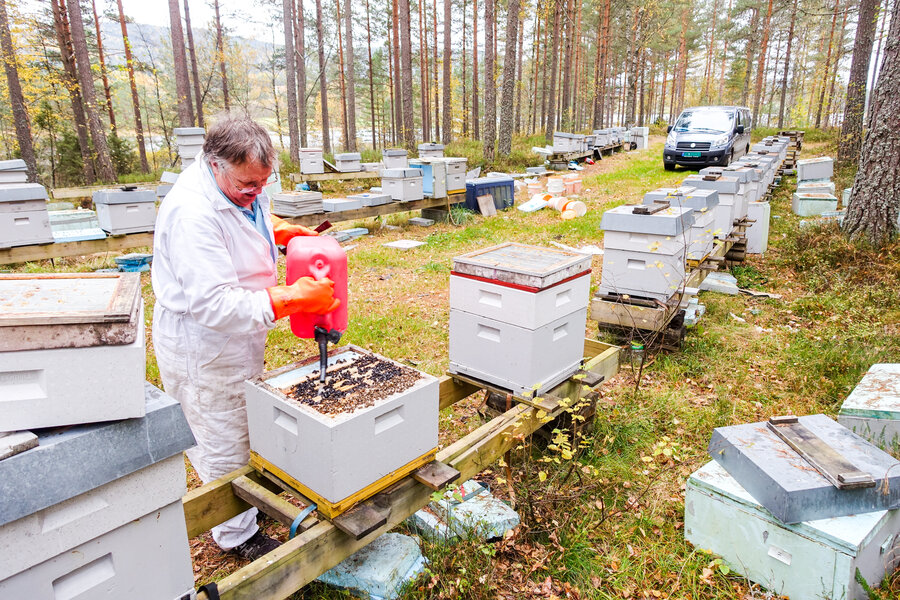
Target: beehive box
(758,232)
(700,235)
(348,162)
(729,200)
(815,168)
(817,186)
(806,560)
(23,215)
(371,198)
(375,419)
(517,315)
(394,158)
(431,150)
(404,185)
(456,175)
(312,161)
(125,211)
(807,205)
(341,204)
(434,176)
(872,410)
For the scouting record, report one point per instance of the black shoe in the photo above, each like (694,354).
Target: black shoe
(258,545)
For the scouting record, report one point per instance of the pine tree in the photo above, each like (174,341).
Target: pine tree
(16,99)
(135,101)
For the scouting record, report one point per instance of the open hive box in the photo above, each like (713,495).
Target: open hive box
(373,422)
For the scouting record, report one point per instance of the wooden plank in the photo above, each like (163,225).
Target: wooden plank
(629,316)
(269,503)
(362,519)
(16,442)
(23,254)
(88,191)
(453,390)
(301,177)
(213,503)
(435,475)
(369,212)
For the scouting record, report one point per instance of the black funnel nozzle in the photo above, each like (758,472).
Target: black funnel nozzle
(323,336)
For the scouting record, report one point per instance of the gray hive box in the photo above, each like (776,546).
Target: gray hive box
(340,204)
(126,211)
(431,150)
(394,158)
(872,409)
(348,162)
(789,487)
(404,185)
(723,184)
(704,204)
(13,165)
(371,198)
(23,215)
(809,205)
(669,222)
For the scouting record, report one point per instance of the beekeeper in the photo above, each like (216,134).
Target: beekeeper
(214,278)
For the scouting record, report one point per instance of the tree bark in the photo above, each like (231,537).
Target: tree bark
(875,199)
(409,140)
(220,52)
(338,22)
(748,60)
(67,53)
(787,66)
(323,82)
(851,130)
(16,99)
(724,58)
(86,82)
(424,78)
(349,60)
(195,73)
(837,5)
(393,81)
(290,74)
(135,100)
(631,69)
(837,61)
(761,65)
(300,59)
(509,78)
(448,108)
(517,123)
(398,77)
(465,58)
(103,75)
(707,74)
(554,65)
(476,118)
(434,70)
(566,91)
(182,82)
(681,74)
(371,78)
(490,88)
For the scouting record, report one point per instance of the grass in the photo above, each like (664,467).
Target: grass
(613,526)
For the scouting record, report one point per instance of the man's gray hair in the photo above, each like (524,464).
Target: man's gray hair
(238,139)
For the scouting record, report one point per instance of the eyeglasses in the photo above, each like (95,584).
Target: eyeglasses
(255,187)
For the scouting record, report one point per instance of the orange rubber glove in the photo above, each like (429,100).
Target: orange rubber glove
(284,231)
(304,295)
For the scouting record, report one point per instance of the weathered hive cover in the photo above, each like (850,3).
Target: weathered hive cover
(877,395)
(520,264)
(789,486)
(68,310)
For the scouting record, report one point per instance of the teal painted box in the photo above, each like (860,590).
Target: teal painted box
(872,410)
(804,561)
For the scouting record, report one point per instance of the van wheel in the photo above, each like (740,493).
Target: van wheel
(729,158)
(668,167)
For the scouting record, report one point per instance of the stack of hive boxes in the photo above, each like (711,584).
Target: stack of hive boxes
(403,184)
(813,179)
(731,197)
(640,137)
(431,150)
(645,248)
(23,215)
(296,204)
(704,203)
(190,143)
(434,176)
(564,143)
(517,316)
(94,510)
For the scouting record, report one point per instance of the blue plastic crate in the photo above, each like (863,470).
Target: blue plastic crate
(501,188)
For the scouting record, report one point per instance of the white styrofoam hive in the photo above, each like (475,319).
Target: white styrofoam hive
(372,199)
(351,450)
(808,205)
(671,221)
(121,212)
(66,386)
(643,274)
(404,185)
(872,410)
(393,158)
(25,228)
(758,232)
(63,526)
(815,168)
(431,150)
(146,559)
(348,162)
(311,161)
(810,559)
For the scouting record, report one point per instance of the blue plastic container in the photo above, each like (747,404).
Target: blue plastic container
(501,188)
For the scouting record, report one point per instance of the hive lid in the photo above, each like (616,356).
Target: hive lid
(877,396)
(189,131)
(393,152)
(789,487)
(667,222)
(13,165)
(400,173)
(122,196)
(16,192)
(69,461)
(348,156)
(431,146)
(723,184)
(520,264)
(68,310)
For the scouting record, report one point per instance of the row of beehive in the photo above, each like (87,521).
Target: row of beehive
(312,160)
(564,143)
(94,510)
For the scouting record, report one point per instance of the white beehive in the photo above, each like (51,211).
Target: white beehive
(816,186)
(456,175)
(371,198)
(352,450)
(341,204)
(125,211)
(815,168)
(434,176)
(730,199)
(872,410)
(312,161)
(23,215)
(565,142)
(810,559)
(808,205)
(146,559)
(758,232)
(348,162)
(431,151)
(394,158)
(13,172)
(700,236)
(404,185)
(517,315)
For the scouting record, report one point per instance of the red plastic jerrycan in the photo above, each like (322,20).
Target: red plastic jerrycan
(318,257)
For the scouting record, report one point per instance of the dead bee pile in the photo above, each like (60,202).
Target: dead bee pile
(352,385)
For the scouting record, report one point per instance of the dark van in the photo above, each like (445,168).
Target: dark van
(708,135)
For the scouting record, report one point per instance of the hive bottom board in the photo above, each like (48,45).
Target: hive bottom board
(146,559)
(804,561)
(333,509)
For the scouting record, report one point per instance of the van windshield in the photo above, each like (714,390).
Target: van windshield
(718,121)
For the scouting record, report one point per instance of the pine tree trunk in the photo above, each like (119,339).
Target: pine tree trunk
(724,58)
(509,78)
(787,66)
(851,130)
(465,96)
(476,118)
(423,73)
(103,76)
(16,99)
(135,100)
(576,44)
(517,123)
(371,77)
(220,52)
(683,58)
(554,66)
(748,61)
(86,82)
(434,70)
(398,76)
(631,69)
(409,140)
(875,199)
(566,92)
(761,63)
(300,60)
(393,80)
(490,88)
(837,5)
(182,81)
(338,22)
(195,73)
(67,53)
(323,81)
(349,59)
(448,108)
(290,73)
(837,61)
(707,74)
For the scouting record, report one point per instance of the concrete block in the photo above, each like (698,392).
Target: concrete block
(393,158)
(810,559)
(693,312)
(69,386)
(788,487)
(872,410)
(72,522)
(669,222)
(356,232)
(25,229)
(721,282)
(381,569)
(72,460)
(352,450)
(340,204)
(421,222)
(642,273)
(371,199)
(758,232)
(808,205)
(467,511)
(815,168)
(437,215)
(529,310)
(146,559)
(14,196)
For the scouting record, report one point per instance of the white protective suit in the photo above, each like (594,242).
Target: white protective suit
(211,268)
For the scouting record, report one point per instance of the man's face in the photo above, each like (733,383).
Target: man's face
(241,183)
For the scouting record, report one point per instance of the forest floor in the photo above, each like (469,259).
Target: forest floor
(616,530)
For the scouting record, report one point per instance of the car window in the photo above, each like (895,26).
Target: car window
(716,121)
